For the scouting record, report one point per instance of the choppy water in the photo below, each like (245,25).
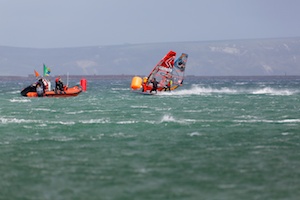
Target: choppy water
(214,138)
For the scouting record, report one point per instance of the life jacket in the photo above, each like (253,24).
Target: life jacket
(45,83)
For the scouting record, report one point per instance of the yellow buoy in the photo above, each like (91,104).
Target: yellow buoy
(136,83)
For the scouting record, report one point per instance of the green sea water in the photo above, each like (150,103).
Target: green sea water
(213,138)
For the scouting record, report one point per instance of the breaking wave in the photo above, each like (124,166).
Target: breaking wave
(272,91)
(17,121)
(204,90)
(200,90)
(19,100)
(170,118)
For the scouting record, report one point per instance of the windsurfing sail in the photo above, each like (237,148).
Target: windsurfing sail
(178,71)
(163,69)
(168,71)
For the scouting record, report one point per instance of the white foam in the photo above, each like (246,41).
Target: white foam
(192,111)
(170,118)
(194,134)
(63,139)
(200,90)
(17,121)
(139,106)
(120,89)
(204,90)
(121,135)
(268,121)
(44,109)
(289,121)
(75,112)
(149,122)
(67,123)
(18,100)
(95,121)
(272,91)
(127,122)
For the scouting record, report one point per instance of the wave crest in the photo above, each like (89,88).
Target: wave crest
(203,90)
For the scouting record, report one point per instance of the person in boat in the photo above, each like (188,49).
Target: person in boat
(154,85)
(47,84)
(59,85)
(41,84)
(39,89)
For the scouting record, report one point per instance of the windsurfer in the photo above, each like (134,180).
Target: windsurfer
(168,86)
(144,85)
(154,85)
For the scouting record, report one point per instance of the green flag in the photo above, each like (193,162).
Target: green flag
(46,70)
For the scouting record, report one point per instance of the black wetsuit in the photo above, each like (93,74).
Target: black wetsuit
(59,86)
(154,86)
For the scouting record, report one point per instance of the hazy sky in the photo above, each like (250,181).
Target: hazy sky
(73,23)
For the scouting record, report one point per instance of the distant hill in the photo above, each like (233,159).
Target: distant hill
(212,58)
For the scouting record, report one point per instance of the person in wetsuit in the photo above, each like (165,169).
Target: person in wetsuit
(59,84)
(154,85)
(168,86)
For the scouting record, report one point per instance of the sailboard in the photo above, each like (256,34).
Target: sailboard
(168,74)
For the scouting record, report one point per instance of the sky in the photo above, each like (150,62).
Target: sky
(77,23)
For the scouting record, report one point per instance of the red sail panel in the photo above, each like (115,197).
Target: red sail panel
(162,71)
(168,60)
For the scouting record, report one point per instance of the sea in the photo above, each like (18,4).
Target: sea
(213,138)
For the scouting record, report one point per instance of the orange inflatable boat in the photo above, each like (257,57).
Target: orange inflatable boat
(32,91)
